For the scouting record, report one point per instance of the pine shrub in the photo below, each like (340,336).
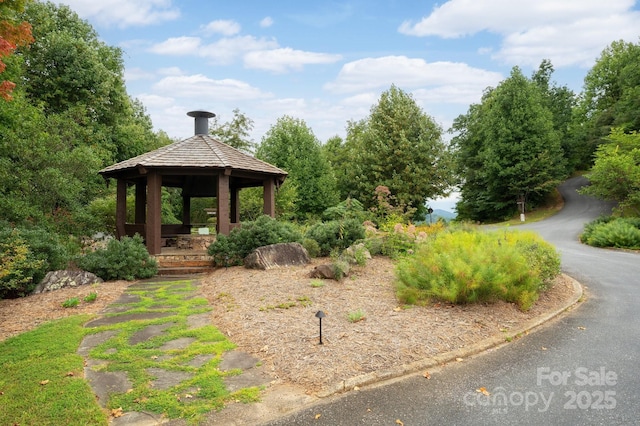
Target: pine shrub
(335,234)
(124,259)
(476,267)
(232,249)
(613,232)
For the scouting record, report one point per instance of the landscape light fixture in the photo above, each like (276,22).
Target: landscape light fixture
(320,315)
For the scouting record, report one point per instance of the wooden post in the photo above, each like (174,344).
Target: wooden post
(235,205)
(154,212)
(121,208)
(269,196)
(223,204)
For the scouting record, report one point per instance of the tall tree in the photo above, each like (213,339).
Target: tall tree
(400,147)
(507,150)
(68,70)
(292,146)
(13,34)
(611,97)
(560,100)
(235,133)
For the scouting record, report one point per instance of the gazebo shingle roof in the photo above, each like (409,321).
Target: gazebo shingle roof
(199,151)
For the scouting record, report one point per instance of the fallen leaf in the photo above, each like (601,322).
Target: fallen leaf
(397,309)
(399,422)
(427,375)
(543,348)
(582,328)
(483,391)
(70,373)
(188,395)
(129,390)
(356,388)
(44,382)
(459,359)
(117,412)
(317,416)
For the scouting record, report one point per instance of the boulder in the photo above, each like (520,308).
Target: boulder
(328,271)
(277,255)
(55,280)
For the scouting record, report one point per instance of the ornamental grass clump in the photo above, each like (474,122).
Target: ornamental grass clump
(464,266)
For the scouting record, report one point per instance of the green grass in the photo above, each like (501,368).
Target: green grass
(356,316)
(49,353)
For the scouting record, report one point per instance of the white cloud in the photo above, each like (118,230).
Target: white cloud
(133,74)
(566,32)
(222,26)
(199,87)
(178,46)
(266,22)
(125,13)
(170,71)
(223,51)
(284,59)
(413,73)
(226,50)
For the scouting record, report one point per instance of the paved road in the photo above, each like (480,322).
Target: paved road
(582,369)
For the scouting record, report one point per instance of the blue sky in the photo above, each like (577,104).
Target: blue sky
(327,62)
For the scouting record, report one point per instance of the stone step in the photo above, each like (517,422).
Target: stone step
(185,270)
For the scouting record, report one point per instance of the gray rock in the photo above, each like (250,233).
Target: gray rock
(277,255)
(328,271)
(55,280)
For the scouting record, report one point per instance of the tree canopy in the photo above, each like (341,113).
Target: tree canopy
(69,117)
(397,146)
(235,133)
(291,145)
(507,150)
(615,174)
(13,34)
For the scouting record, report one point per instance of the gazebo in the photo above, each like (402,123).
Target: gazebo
(203,167)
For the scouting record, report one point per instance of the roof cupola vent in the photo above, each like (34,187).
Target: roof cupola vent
(201,121)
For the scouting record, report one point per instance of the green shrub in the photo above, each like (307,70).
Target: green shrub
(18,267)
(613,232)
(396,244)
(468,267)
(335,234)
(91,297)
(45,252)
(232,249)
(312,247)
(126,259)
(71,302)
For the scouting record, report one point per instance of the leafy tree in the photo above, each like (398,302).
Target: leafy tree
(507,150)
(397,146)
(12,34)
(71,117)
(615,174)
(611,97)
(235,133)
(68,70)
(560,100)
(292,146)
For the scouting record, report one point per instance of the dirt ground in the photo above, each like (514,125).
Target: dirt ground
(271,314)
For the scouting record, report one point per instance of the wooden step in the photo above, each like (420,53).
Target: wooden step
(186,270)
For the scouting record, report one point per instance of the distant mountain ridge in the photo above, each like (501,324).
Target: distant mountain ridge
(445,214)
